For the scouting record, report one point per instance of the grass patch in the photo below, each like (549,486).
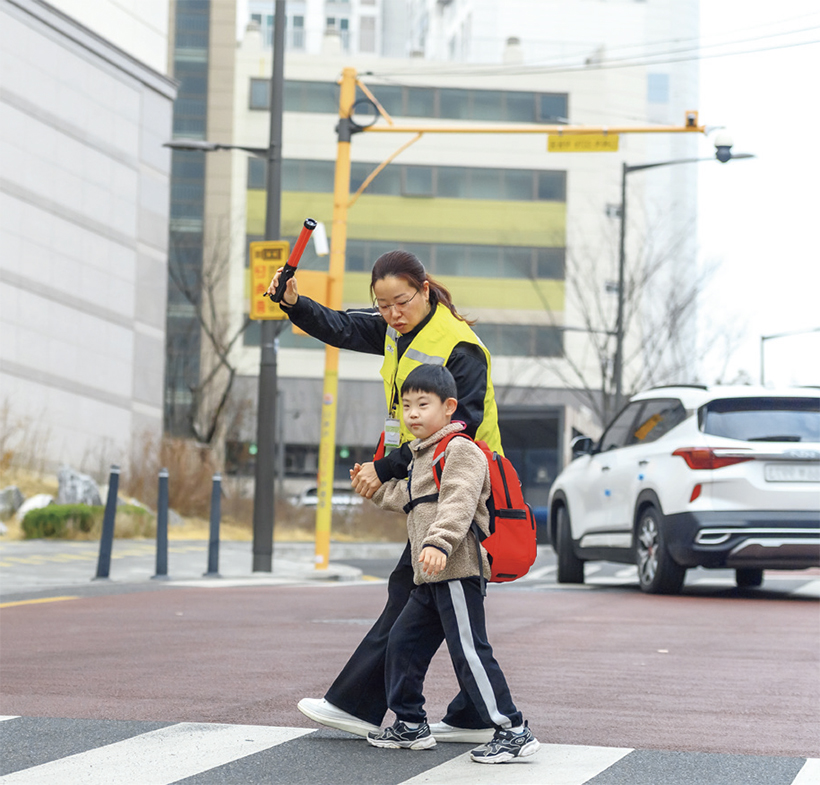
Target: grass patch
(84,522)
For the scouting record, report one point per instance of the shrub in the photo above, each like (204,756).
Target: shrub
(84,522)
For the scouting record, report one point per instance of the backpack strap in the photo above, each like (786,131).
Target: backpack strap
(438,470)
(430,497)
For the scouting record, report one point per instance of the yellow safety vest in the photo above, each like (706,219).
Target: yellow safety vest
(433,345)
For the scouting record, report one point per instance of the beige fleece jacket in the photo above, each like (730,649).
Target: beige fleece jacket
(465,488)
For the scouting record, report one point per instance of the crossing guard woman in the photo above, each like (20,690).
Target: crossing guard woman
(413,321)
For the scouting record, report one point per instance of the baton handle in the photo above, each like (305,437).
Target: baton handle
(293,260)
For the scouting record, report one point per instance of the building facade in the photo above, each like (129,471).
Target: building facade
(525,239)
(84,232)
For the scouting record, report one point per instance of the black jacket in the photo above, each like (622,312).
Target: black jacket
(363,330)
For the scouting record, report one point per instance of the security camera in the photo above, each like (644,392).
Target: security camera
(723,147)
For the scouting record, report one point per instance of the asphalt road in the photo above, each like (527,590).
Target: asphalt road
(717,686)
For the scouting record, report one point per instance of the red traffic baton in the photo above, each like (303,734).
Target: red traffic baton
(293,260)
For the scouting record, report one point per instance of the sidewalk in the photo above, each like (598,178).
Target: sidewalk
(35,566)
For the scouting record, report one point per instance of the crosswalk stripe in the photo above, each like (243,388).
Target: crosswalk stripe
(11,717)
(557,764)
(809,774)
(810,589)
(159,757)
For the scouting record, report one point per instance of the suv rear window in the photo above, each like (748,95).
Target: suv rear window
(763,419)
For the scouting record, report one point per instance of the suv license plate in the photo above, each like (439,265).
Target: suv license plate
(791,472)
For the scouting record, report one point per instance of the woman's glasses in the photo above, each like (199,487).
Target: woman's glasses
(385,309)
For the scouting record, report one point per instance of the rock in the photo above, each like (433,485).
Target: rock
(36,502)
(10,501)
(76,488)
(3,529)
(174,518)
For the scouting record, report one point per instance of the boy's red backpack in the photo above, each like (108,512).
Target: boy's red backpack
(511,544)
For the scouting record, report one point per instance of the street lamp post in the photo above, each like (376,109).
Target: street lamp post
(265,475)
(723,153)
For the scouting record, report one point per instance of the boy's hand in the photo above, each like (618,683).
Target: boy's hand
(432,560)
(365,481)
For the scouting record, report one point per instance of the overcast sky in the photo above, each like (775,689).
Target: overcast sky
(759,219)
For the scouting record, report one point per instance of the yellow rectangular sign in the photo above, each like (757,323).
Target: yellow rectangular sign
(266,257)
(582,143)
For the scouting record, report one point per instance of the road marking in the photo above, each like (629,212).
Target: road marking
(159,757)
(811,589)
(809,774)
(13,717)
(39,601)
(557,764)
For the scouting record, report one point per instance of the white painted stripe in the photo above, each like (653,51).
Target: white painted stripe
(157,758)
(13,717)
(465,634)
(811,589)
(809,774)
(556,764)
(541,572)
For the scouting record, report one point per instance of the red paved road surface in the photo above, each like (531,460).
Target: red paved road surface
(607,668)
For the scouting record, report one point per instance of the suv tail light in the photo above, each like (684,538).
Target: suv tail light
(705,458)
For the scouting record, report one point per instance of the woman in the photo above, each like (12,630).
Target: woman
(413,321)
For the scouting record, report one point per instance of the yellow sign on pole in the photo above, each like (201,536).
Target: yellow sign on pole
(266,257)
(582,143)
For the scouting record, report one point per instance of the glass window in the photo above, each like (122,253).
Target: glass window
(517,185)
(260,94)
(656,419)
(485,184)
(390,97)
(488,105)
(452,182)
(454,104)
(549,342)
(552,186)
(418,181)
(620,431)
(550,263)
(520,107)
(450,259)
(483,261)
(317,176)
(763,419)
(516,262)
(421,102)
(552,107)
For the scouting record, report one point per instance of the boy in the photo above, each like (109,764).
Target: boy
(447,603)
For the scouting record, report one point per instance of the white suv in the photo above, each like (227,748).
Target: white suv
(723,477)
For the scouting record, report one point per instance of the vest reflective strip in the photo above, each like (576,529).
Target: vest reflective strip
(393,334)
(420,357)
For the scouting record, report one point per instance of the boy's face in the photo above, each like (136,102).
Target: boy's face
(425,413)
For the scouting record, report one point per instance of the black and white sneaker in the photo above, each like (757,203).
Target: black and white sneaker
(506,745)
(399,736)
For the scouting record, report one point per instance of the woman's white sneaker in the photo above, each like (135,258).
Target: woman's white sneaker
(443,732)
(319,710)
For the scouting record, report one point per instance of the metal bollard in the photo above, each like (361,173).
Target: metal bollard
(162,526)
(107,537)
(216,515)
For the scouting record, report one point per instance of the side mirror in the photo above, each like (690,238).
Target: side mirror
(581,445)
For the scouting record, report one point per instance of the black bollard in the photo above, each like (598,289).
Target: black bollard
(162,526)
(107,537)
(216,514)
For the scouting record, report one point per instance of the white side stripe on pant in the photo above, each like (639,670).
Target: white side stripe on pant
(465,634)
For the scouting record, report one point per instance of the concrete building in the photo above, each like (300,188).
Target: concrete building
(85,106)
(525,239)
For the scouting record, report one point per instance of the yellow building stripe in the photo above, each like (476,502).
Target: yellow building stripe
(39,601)
(422,220)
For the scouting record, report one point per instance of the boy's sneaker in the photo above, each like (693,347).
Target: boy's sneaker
(398,736)
(506,745)
(443,732)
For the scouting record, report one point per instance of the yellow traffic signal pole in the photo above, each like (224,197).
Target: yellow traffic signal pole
(342,201)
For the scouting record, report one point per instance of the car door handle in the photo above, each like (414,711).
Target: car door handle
(605,468)
(642,463)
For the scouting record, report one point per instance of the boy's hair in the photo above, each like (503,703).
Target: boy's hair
(431,379)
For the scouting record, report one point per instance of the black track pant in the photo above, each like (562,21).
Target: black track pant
(451,611)
(360,688)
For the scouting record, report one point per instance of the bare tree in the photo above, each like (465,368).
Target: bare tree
(661,295)
(202,363)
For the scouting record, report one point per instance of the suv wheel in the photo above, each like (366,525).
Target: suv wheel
(570,567)
(748,577)
(657,572)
